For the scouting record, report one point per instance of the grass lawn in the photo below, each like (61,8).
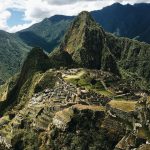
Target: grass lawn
(83,81)
(75,76)
(123,105)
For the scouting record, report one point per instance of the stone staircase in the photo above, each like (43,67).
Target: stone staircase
(44,119)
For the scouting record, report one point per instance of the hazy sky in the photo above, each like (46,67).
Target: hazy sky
(19,14)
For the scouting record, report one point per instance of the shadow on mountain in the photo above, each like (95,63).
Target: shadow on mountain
(34,40)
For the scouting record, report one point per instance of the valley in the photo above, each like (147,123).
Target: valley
(49,33)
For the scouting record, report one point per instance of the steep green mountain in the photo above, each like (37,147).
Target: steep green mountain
(123,20)
(37,61)
(46,34)
(12,54)
(90,47)
(130,21)
(55,104)
(85,42)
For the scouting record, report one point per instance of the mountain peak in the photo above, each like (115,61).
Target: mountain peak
(85,42)
(84,14)
(57,18)
(82,42)
(117,4)
(84,18)
(78,35)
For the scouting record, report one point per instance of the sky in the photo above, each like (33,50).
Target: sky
(16,15)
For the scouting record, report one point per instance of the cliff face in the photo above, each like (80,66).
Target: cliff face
(85,43)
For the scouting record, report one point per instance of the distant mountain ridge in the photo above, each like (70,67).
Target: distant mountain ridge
(12,53)
(131,21)
(87,45)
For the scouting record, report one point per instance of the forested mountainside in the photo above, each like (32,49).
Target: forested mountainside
(12,53)
(66,101)
(131,21)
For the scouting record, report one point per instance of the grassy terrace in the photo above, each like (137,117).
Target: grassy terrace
(126,106)
(142,133)
(76,76)
(65,115)
(103,92)
(90,107)
(82,79)
(121,99)
(4,120)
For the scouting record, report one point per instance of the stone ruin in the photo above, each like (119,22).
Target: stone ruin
(64,93)
(137,124)
(43,105)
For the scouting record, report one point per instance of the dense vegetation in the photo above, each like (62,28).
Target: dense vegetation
(116,19)
(131,21)
(55,104)
(48,34)
(12,54)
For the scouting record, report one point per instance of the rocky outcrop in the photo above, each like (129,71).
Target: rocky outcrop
(80,126)
(144,147)
(64,119)
(135,116)
(124,110)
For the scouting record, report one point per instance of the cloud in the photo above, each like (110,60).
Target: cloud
(36,10)
(40,9)
(19,27)
(64,2)
(4,16)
